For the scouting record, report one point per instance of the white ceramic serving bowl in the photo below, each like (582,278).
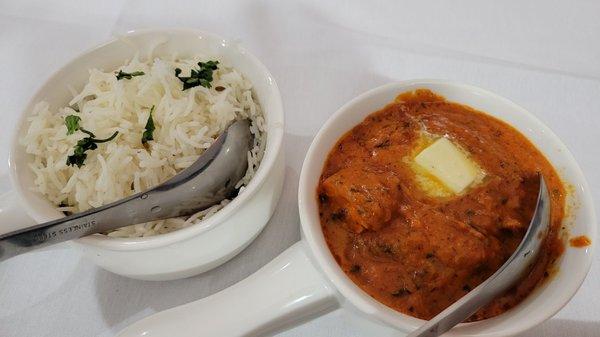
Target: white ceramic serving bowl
(305,281)
(547,299)
(190,250)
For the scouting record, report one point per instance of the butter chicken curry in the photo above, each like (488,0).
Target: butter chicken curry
(417,239)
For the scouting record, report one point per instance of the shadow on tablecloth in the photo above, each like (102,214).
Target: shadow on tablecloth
(564,328)
(123,301)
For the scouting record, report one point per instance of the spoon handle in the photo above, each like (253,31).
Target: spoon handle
(115,215)
(504,278)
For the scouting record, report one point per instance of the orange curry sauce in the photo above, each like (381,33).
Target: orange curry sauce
(416,253)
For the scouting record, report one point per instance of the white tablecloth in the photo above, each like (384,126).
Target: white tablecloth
(545,55)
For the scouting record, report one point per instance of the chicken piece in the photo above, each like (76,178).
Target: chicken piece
(360,198)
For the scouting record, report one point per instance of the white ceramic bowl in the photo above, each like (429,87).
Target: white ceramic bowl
(190,250)
(540,305)
(306,281)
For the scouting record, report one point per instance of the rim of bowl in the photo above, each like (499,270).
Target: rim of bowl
(362,300)
(273,146)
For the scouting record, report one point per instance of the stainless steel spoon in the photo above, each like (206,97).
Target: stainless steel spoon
(503,279)
(208,181)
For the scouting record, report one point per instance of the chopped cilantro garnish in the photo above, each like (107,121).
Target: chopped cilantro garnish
(88,143)
(202,76)
(149,128)
(72,123)
(121,74)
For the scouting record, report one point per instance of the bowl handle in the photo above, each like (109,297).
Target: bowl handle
(285,292)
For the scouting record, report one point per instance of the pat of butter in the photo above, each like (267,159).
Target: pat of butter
(449,164)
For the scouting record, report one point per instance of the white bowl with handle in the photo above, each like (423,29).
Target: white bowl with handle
(305,281)
(187,251)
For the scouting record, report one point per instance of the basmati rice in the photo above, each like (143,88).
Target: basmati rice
(187,122)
